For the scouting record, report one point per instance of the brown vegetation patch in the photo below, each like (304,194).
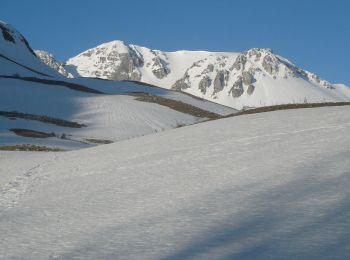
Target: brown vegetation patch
(31,133)
(40,118)
(175,105)
(288,106)
(29,147)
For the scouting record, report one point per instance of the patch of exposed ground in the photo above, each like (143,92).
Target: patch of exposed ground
(41,118)
(39,134)
(29,147)
(31,133)
(288,106)
(175,105)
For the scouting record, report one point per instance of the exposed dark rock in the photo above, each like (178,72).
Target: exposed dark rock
(181,83)
(255,53)
(248,78)
(219,82)
(250,89)
(6,33)
(204,84)
(136,57)
(270,65)
(210,67)
(135,76)
(239,62)
(237,88)
(125,70)
(160,69)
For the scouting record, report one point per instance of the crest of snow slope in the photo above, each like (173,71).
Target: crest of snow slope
(253,78)
(264,186)
(50,60)
(17,57)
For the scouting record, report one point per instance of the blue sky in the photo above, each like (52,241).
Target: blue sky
(314,34)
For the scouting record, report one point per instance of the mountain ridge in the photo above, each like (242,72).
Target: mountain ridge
(254,78)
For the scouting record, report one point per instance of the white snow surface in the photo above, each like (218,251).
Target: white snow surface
(264,186)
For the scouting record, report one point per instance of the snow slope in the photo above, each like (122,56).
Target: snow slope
(253,78)
(107,117)
(264,186)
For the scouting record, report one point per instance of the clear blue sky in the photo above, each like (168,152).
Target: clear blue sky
(314,34)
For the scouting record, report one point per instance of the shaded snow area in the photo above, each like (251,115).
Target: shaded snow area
(107,117)
(263,186)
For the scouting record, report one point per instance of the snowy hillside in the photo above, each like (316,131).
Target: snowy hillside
(264,186)
(253,78)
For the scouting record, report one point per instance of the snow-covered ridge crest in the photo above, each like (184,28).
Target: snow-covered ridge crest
(12,36)
(17,57)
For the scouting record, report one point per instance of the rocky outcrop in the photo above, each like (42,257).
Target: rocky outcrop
(210,67)
(219,81)
(6,33)
(125,65)
(204,84)
(250,89)
(159,68)
(237,89)
(181,83)
(239,62)
(270,65)
(247,78)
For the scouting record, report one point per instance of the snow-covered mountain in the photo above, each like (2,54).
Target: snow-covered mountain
(254,78)
(39,106)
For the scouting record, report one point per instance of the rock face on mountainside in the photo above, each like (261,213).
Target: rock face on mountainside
(50,60)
